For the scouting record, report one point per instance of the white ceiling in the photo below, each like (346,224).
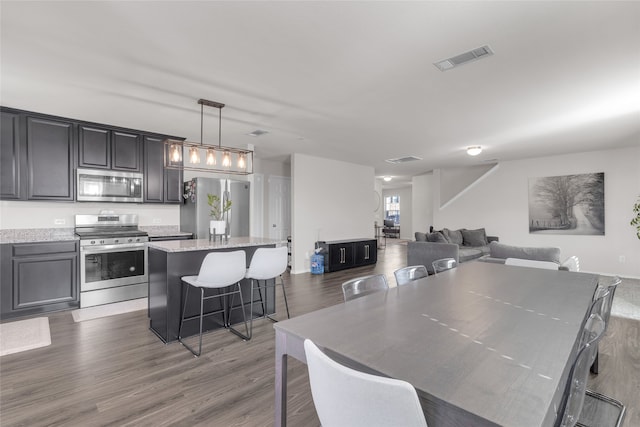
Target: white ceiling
(345,80)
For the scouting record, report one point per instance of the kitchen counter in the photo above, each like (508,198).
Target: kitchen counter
(206,244)
(165,231)
(31,235)
(169,261)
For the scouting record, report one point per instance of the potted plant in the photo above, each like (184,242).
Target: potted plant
(636,221)
(217,225)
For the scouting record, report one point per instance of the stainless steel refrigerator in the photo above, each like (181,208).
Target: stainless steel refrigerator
(194,212)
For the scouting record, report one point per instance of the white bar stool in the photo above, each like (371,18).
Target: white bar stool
(218,270)
(266,264)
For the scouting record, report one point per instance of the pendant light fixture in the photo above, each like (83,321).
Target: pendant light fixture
(217,158)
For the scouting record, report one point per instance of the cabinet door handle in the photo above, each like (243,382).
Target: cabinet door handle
(366,251)
(342,255)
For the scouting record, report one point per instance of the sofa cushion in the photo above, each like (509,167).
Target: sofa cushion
(467,253)
(444,232)
(420,237)
(436,237)
(454,236)
(500,250)
(474,237)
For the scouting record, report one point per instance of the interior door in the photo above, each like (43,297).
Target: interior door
(279,207)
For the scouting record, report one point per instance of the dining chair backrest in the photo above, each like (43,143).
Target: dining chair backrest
(572,263)
(361,286)
(443,264)
(606,290)
(577,381)
(267,263)
(409,274)
(346,397)
(519,262)
(222,269)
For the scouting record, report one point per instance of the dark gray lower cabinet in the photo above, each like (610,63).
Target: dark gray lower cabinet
(342,254)
(38,277)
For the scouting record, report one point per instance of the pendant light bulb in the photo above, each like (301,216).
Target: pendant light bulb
(194,156)
(242,163)
(211,157)
(226,159)
(175,153)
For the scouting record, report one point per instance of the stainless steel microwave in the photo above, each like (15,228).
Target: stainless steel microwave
(108,186)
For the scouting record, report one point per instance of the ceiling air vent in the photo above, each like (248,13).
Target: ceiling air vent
(463,58)
(403,159)
(258,132)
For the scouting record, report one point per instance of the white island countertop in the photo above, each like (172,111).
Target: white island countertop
(206,244)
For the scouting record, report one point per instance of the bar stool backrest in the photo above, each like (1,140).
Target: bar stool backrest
(222,269)
(268,263)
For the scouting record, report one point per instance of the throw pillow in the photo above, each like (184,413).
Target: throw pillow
(436,237)
(421,237)
(445,234)
(455,236)
(474,237)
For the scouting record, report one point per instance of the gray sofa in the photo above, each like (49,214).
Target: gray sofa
(499,252)
(462,245)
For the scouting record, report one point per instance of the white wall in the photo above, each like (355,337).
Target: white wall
(331,200)
(499,203)
(421,203)
(406,210)
(32,214)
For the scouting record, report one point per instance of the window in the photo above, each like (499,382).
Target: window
(392,208)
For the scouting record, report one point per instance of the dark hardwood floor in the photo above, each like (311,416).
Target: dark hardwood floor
(114,371)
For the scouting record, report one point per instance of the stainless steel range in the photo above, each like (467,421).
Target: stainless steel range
(113,258)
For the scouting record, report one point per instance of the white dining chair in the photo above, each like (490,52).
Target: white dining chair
(219,270)
(519,262)
(346,397)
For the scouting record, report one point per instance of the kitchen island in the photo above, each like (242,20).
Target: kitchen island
(170,260)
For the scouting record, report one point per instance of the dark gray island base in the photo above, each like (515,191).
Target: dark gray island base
(169,261)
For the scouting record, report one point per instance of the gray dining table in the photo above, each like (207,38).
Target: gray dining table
(483,344)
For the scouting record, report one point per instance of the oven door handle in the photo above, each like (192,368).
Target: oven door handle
(110,248)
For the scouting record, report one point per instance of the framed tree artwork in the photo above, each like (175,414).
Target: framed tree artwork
(568,204)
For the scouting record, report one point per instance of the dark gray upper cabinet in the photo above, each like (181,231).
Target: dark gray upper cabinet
(102,148)
(39,154)
(50,159)
(125,151)
(160,185)
(10,157)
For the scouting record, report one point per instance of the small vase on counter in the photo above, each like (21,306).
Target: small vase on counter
(217,228)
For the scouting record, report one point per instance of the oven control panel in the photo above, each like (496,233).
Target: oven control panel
(113,241)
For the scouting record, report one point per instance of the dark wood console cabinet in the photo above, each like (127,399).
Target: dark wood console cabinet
(343,254)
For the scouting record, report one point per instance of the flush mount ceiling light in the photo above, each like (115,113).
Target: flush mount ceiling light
(217,158)
(387,178)
(474,150)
